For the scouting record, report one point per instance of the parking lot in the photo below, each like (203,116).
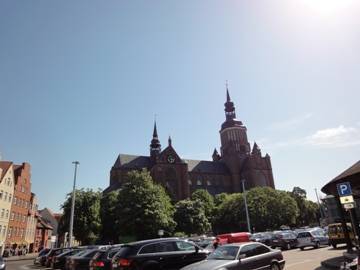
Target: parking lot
(309,259)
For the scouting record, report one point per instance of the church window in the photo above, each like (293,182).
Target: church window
(208,182)
(189,182)
(198,182)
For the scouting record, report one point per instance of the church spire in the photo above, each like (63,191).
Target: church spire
(155,146)
(170,141)
(229,106)
(227,92)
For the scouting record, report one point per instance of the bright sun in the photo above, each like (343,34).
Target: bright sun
(328,7)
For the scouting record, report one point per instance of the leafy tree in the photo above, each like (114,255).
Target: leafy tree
(230,215)
(86,216)
(309,211)
(108,217)
(190,217)
(207,201)
(270,208)
(143,207)
(220,198)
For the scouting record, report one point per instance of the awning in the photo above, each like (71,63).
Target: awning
(351,175)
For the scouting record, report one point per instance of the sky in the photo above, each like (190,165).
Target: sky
(82,80)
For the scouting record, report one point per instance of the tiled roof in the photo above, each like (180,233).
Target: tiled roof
(4,165)
(205,166)
(132,162)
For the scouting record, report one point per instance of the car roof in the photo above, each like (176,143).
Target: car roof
(150,241)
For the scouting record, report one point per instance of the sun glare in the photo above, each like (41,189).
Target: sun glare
(328,7)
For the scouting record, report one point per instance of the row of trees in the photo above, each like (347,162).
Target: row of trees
(142,208)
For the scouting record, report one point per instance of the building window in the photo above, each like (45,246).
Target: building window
(198,182)
(15,200)
(10,232)
(10,197)
(189,182)
(2,212)
(4,231)
(7,215)
(12,216)
(208,182)
(5,197)
(1,194)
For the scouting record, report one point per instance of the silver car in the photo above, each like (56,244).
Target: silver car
(312,238)
(241,256)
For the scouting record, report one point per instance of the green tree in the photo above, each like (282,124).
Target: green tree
(87,221)
(108,217)
(143,207)
(207,201)
(309,211)
(270,208)
(230,214)
(190,217)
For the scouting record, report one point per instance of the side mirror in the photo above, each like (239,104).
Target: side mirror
(242,256)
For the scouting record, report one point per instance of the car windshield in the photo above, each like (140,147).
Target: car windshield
(224,253)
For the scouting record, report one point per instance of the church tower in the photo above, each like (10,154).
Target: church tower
(155,146)
(235,147)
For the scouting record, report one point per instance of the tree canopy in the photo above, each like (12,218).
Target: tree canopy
(143,207)
(191,218)
(87,221)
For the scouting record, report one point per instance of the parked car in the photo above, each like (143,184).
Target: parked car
(263,237)
(162,253)
(314,238)
(337,235)
(237,237)
(241,256)
(81,260)
(284,240)
(103,258)
(2,264)
(58,261)
(41,258)
(53,252)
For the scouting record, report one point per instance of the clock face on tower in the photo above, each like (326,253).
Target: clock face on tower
(170,159)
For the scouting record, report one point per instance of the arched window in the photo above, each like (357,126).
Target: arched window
(171,182)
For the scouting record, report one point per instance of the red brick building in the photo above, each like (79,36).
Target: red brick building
(236,161)
(42,234)
(21,204)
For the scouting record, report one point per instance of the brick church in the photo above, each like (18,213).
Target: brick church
(236,161)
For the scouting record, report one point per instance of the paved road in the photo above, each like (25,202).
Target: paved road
(309,259)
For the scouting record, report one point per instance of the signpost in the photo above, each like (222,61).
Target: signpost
(347,201)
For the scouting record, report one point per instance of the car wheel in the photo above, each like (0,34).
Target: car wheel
(333,245)
(275,266)
(302,248)
(317,245)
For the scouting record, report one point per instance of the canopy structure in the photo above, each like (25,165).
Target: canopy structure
(351,175)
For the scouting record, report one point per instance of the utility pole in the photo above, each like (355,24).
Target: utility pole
(73,206)
(246,207)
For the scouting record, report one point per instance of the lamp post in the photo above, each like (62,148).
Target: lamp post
(246,207)
(73,206)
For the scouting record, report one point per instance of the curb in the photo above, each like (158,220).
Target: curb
(333,263)
(24,258)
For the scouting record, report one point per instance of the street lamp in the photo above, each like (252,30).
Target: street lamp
(73,206)
(246,207)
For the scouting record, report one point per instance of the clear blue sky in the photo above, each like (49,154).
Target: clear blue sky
(82,80)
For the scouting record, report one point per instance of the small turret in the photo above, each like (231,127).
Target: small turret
(215,155)
(256,150)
